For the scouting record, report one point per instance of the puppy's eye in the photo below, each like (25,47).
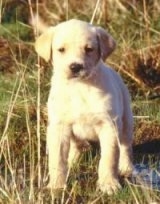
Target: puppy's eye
(61,49)
(89,49)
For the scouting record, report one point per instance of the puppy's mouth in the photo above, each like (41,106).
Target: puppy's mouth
(80,75)
(78,70)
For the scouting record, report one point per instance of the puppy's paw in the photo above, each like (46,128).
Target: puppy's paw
(109,185)
(126,169)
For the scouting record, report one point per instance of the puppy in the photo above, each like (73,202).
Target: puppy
(87,101)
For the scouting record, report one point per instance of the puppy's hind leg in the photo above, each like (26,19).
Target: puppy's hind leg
(125,160)
(126,138)
(76,147)
(74,153)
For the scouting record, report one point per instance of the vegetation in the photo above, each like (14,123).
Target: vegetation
(24,86)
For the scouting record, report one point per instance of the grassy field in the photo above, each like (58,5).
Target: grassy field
(24,86)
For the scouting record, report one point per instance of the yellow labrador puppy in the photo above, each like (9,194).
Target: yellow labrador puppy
(87,101)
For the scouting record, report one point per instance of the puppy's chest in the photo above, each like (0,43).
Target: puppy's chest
(85,101)
(74,102)
(84,107)
(87,109)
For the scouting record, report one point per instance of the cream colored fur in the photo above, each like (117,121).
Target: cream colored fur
(91,104)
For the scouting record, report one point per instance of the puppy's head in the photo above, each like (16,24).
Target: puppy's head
(75,48)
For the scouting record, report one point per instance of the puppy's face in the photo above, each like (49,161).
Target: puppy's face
(75,48)
(76,51)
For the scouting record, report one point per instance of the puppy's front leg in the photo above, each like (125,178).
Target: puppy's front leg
(108,165)
(58,142)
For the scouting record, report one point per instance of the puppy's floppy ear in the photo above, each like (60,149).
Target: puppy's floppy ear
(43,44)
(107,43)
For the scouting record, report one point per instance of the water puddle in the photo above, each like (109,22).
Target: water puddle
(147,176)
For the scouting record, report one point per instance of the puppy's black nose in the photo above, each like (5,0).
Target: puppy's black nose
(76,67)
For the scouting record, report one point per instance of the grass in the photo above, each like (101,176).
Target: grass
(23,96)
(147,109)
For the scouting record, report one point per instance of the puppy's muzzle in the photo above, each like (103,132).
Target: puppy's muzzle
(76,68)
